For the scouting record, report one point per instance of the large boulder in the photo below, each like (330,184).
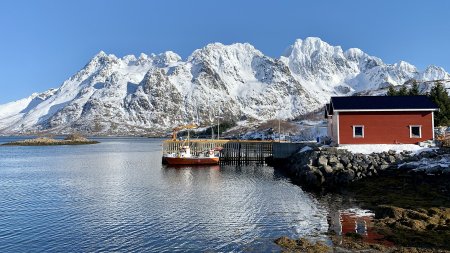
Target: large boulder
(345,176)
(322,161)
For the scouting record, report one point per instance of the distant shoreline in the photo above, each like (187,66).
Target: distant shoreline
(88,136)
(50,142)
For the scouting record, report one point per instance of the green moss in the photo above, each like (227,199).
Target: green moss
(354,235)
(286,242)
(404,191)
(301,245)
(410,238)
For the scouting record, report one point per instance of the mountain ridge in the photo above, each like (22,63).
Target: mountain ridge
(150,94)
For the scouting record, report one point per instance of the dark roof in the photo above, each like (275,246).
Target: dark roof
(383,103)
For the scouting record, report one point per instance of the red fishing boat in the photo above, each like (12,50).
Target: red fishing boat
(184,157)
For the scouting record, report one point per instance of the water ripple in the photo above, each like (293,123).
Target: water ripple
(116,196)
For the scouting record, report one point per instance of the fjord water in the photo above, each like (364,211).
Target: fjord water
(116,196)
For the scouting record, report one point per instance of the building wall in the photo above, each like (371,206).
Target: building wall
(384,127)
(334,125)
(330,126)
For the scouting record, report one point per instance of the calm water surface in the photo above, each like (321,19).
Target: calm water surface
(116,196)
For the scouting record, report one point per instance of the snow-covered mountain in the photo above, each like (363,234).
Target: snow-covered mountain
(151,93)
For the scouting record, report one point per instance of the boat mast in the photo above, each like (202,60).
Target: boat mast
(212,130)
(188,138)
(218,128)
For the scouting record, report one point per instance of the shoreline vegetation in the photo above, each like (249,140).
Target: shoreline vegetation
(72,139)
(345,244)
(412,211)
(411,204)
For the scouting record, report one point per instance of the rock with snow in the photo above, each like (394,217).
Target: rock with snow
(435,164)
(305,148)
(150,94)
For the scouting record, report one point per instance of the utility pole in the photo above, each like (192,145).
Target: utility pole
(218,121)
(218,127)
(188,138)
(279,129)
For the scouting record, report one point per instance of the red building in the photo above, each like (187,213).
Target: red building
(380,119)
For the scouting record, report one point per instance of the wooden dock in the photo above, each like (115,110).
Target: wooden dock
(240,151)
(233,152)
(282,150)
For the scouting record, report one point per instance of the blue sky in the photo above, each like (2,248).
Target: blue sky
(45,42)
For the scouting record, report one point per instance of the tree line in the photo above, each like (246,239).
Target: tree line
(438,94)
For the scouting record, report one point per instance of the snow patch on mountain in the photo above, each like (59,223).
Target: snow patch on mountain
(149,94)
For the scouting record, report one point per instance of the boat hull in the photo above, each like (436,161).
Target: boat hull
(192,160)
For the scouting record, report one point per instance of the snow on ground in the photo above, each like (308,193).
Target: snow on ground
(304,149)
(429,164)
(358,212)
(379,148)
(433,166)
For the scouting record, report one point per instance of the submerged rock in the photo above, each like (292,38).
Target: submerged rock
(302,245)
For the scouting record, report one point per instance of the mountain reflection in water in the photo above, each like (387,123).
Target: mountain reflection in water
(116,196)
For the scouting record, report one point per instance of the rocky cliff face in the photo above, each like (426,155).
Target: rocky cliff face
(152,93)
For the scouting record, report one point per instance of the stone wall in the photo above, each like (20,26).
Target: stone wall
(332,167)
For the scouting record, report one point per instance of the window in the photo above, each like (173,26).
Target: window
(415,131)
(358,131)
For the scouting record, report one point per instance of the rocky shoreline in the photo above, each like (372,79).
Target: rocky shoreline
(333,168)
(409,193)
(349,243)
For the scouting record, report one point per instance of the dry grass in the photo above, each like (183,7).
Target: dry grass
(286,126)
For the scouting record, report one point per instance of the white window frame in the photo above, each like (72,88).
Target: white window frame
(420,131)
(355,126)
